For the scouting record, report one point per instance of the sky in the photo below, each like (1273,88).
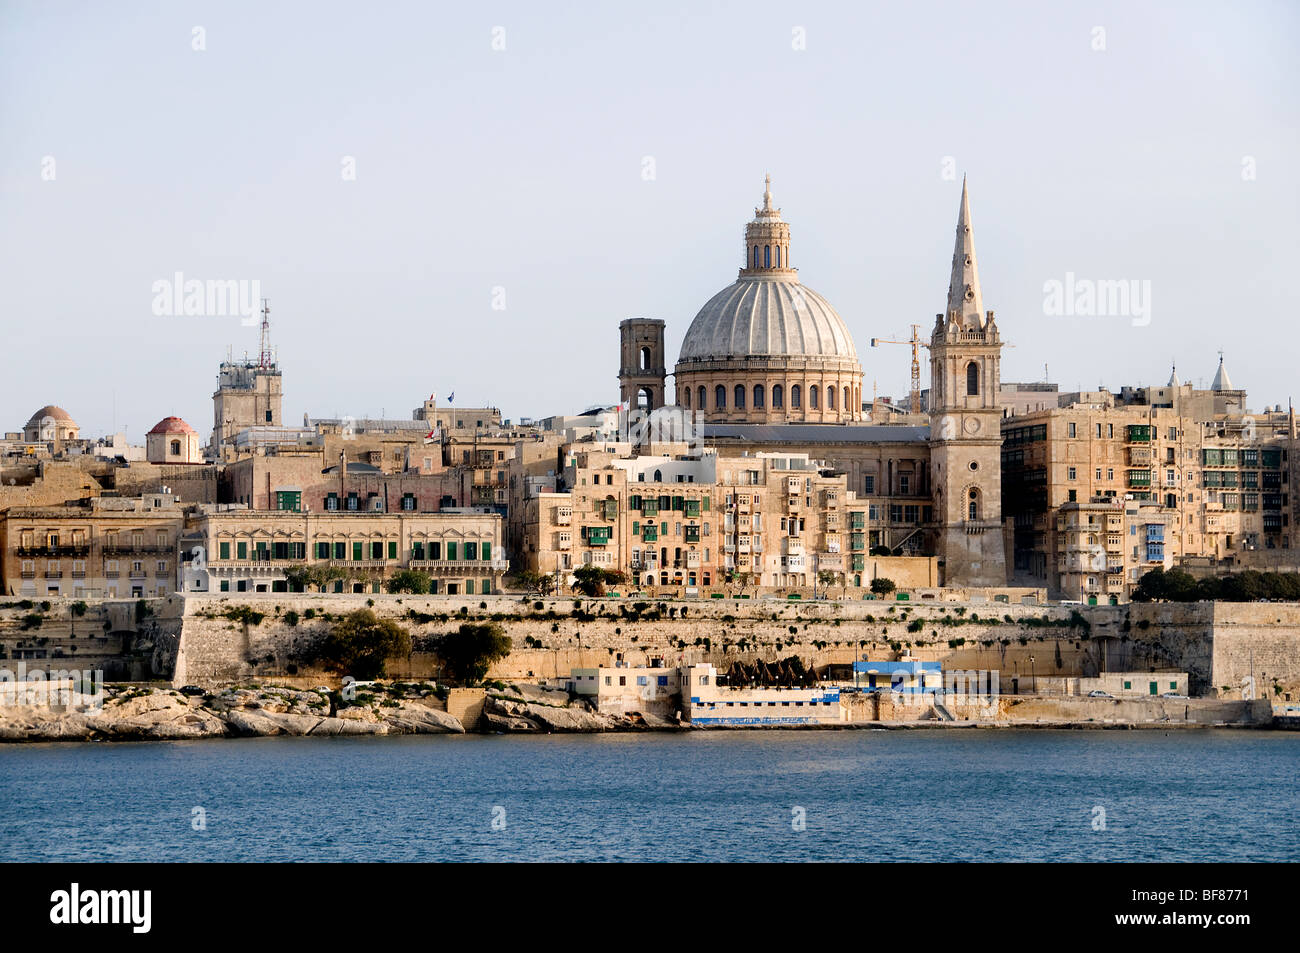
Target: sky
(468,198)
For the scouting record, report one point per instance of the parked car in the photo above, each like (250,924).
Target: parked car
(1100,694)
(192,690)
(1172,695)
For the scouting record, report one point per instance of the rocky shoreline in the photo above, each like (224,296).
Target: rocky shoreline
(164,714)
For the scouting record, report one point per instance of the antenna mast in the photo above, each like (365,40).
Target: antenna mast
(265,360)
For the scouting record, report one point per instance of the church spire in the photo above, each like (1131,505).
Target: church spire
(964,286)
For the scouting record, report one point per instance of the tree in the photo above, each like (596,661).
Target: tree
(467,653)
(882,586)
(591,580)
(881,551)
(410,580)
(361,645)
(826,578)
(301,576)
(531,581)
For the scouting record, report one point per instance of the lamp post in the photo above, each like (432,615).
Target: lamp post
(1033,676)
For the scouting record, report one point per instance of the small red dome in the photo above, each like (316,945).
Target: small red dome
(171,425)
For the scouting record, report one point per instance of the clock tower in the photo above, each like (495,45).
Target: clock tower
(965,425)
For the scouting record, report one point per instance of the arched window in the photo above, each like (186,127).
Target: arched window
(659,476)
(687,397)
(719,398)
(973,507)
(778,396)
(755,256)
(176,448)
(740,396)
(972,379)
(758,395)
(700,404)
(767,256)
(645,398)
(812,397)
(778,256)
(830,398)
(847,402)
(645,359)
(794,396)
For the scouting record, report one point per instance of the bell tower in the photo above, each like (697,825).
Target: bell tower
(965,425)
(641,373)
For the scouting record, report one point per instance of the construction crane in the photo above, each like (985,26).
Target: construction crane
(917,344)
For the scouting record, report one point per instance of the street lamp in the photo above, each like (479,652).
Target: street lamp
(1032,675)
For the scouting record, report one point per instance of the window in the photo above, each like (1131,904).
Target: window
(869,483)
(767,256)
(700,402)
(1071,473)
(778,395)
(176,448)
(740,396)
(755,265)
(332,501)
(812,397)
(973,379)
(830,398)
(1099,469)
(223,550)
(719,397)
(408,501)
(973,504)
(794,396)
(1073,430)
(758,395)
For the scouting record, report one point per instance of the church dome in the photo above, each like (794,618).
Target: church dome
(767,316)
(766,349)
(49,412)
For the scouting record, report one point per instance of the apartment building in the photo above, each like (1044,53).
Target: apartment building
(231,549)
(103,547)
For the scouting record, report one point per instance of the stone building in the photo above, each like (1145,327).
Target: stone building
(1217,487)
(248,394)
(230,549)
(172,440)
(769,520)
(96,548)
(51,425)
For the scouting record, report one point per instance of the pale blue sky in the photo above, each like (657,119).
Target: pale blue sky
(522,169)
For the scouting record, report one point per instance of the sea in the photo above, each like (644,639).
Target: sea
(761,795)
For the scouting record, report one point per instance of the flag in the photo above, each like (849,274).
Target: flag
(434,435)
(452,397)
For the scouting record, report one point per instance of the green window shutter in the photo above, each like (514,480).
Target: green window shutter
(392,549)
(663,529)
(377,550)
(435,550)
(451,551)
(225,585)
(241,550)
(636,528)
(356,551)
(487,553)
(706,504)
(322,550)
(224,550)
(340,550)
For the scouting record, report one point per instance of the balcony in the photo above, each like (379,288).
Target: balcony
(122,550)
(563,519)
(56,552)
(56,574)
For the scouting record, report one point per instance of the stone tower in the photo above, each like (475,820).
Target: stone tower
(641,373)
(965,425)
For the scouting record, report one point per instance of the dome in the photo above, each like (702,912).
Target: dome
(50,412)
(171,425)
(762,316)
